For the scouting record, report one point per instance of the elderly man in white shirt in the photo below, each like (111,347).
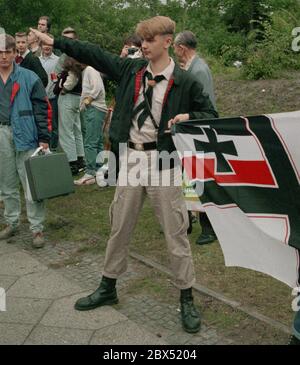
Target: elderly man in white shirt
(93,110)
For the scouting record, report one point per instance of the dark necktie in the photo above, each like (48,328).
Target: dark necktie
(19,59)
(148,94)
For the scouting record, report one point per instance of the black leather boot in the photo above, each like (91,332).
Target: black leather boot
(190,317)
(106,294)
(207,234)
(190,228)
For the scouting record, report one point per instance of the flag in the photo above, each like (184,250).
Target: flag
(247,170)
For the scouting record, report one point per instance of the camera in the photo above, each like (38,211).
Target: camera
(132,51)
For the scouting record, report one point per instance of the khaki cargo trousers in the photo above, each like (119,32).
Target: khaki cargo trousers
(170,209)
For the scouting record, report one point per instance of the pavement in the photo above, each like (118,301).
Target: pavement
(42,286)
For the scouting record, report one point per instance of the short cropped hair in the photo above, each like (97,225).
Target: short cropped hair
(158,25)
(133,39)
(31,32)
(48,20)
(21,34)
(186,38)
(8,42)
(69,30)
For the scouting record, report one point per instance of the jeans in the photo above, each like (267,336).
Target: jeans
(92,121)
(70,136)
(12,169)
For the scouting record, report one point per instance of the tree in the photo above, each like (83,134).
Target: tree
(245,16)
(19,15)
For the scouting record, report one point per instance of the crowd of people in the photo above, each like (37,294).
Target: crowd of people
(62,79)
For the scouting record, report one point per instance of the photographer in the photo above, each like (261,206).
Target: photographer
(132,47)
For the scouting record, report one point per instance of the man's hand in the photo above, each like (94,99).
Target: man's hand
(45,146)
(178,118)
(124,52)
(43,37)
(87,100)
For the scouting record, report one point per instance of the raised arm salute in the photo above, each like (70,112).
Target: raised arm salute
(152,93)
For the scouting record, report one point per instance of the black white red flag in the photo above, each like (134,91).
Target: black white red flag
(247,170)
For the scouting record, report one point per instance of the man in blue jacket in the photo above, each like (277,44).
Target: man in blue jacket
(25,124)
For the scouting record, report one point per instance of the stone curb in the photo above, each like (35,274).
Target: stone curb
(220,297)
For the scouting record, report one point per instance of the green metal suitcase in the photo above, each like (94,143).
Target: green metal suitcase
(49,176)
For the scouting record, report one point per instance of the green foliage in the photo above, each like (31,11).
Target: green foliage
(244,16)
(19,15)
(256,32)
(274,52)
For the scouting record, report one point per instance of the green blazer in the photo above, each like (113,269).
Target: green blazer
(185,95)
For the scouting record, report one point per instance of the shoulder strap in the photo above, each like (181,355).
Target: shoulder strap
(138,83)
(169,87)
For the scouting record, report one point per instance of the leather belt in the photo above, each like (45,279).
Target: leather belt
(142,146)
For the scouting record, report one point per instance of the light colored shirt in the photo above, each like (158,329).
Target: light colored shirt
(49,64)
(36,51)
(71,81)
(189,62)
(92,86)
(25,53)
(148,133)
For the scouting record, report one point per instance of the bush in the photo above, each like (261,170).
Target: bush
(259,66)
(274,52)
(230,54)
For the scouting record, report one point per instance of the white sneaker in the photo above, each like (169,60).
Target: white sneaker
(86,179)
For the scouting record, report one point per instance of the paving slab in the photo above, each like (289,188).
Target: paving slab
(6,248)
(44,285)
(24,310)
(63,314)
(14,334)
(43,335)
(6,281)
(125,333)
(19,263)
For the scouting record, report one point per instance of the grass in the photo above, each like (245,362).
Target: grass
(88,224)
(231,323)
(83,216)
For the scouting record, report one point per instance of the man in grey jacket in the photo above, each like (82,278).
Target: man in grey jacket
(185,48)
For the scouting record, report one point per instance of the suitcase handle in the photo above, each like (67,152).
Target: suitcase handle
(38,150)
